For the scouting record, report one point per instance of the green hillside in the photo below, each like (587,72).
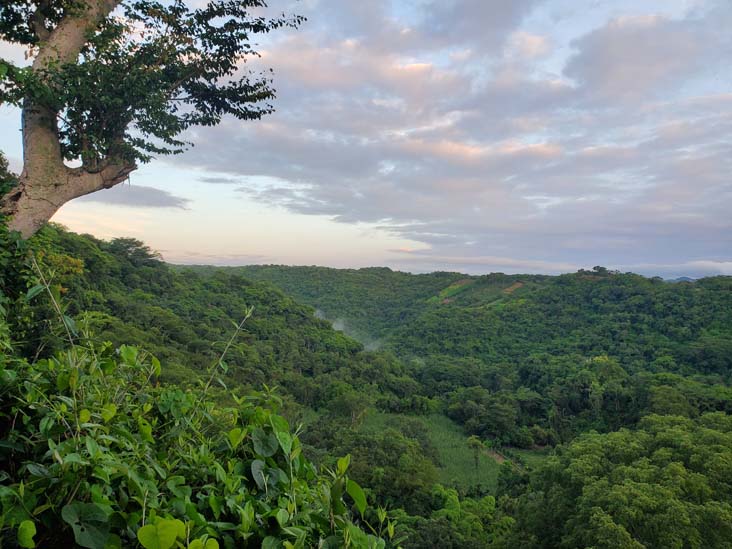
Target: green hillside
(492,406)
(366,303)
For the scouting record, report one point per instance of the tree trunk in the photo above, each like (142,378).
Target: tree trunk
(46,183)
(41,192)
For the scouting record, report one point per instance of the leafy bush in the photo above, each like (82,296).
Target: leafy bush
(94,451)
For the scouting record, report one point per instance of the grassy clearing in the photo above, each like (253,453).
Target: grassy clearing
(446,294)
(457,459)
(532,458)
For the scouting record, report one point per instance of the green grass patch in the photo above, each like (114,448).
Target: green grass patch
(452,290)
(456,459)
(532,458)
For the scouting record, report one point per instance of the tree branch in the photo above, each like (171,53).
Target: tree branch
(38,22)
(65,42)
(111,172)
(41,147)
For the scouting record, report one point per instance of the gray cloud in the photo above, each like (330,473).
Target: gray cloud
(219,180)
(192,257)
(476,23)
(639,57)
(138,196)
(450,128)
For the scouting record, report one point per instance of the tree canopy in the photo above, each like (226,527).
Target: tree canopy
(114,82)
(583,410)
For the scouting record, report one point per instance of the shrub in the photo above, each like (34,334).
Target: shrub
(94,451)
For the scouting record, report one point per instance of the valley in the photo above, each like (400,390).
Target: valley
(478,388)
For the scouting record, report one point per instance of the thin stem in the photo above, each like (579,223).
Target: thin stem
(213,368)
(47,285)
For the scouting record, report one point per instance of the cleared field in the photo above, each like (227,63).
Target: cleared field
(532,458)
(457,459)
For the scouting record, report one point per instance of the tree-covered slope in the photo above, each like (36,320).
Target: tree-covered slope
(640,321)
(499,317)
(500,410)
(365,302)
(529,359)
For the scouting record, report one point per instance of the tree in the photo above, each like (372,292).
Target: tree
(477,446)
(113,82)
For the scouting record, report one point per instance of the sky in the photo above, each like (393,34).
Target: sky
(478,136)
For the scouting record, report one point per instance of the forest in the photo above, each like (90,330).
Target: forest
(146,404)
(169,406)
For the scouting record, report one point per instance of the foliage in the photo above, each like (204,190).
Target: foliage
(7,179)
(469,374)
(144,75)
(367,303)
(666,484)
(392,465)
(457,522)
(94,451)
(530,360)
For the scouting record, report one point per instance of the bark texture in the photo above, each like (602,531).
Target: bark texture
(46,183)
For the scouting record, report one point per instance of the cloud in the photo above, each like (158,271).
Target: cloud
(16,54)
(493,145)
(632,58)
(489,263)
(484,23)
(527,45)
(220,180)
(137,196)
(192,257)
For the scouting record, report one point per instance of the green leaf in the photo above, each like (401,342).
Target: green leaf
(34,291)
(356,492)
(236,435)
(162,534)
(46,425)
(270,543)
(70,324)
(26,531)
(247,517)
(265,444)
(128,354)
(282,517)
(108,412)
(215,505)
(89,522)
(294,531)
(114,542)
(199,544)
(258,468)
(92,447)
(145,429)
(343,464)
(84,416)
(37,470)
(285,441)
(102,474)
(279,423)
(74,458)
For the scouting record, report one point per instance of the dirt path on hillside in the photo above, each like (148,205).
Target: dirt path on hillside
(500,458)
(513,287)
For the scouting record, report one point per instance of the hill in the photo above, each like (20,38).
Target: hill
(482,390)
